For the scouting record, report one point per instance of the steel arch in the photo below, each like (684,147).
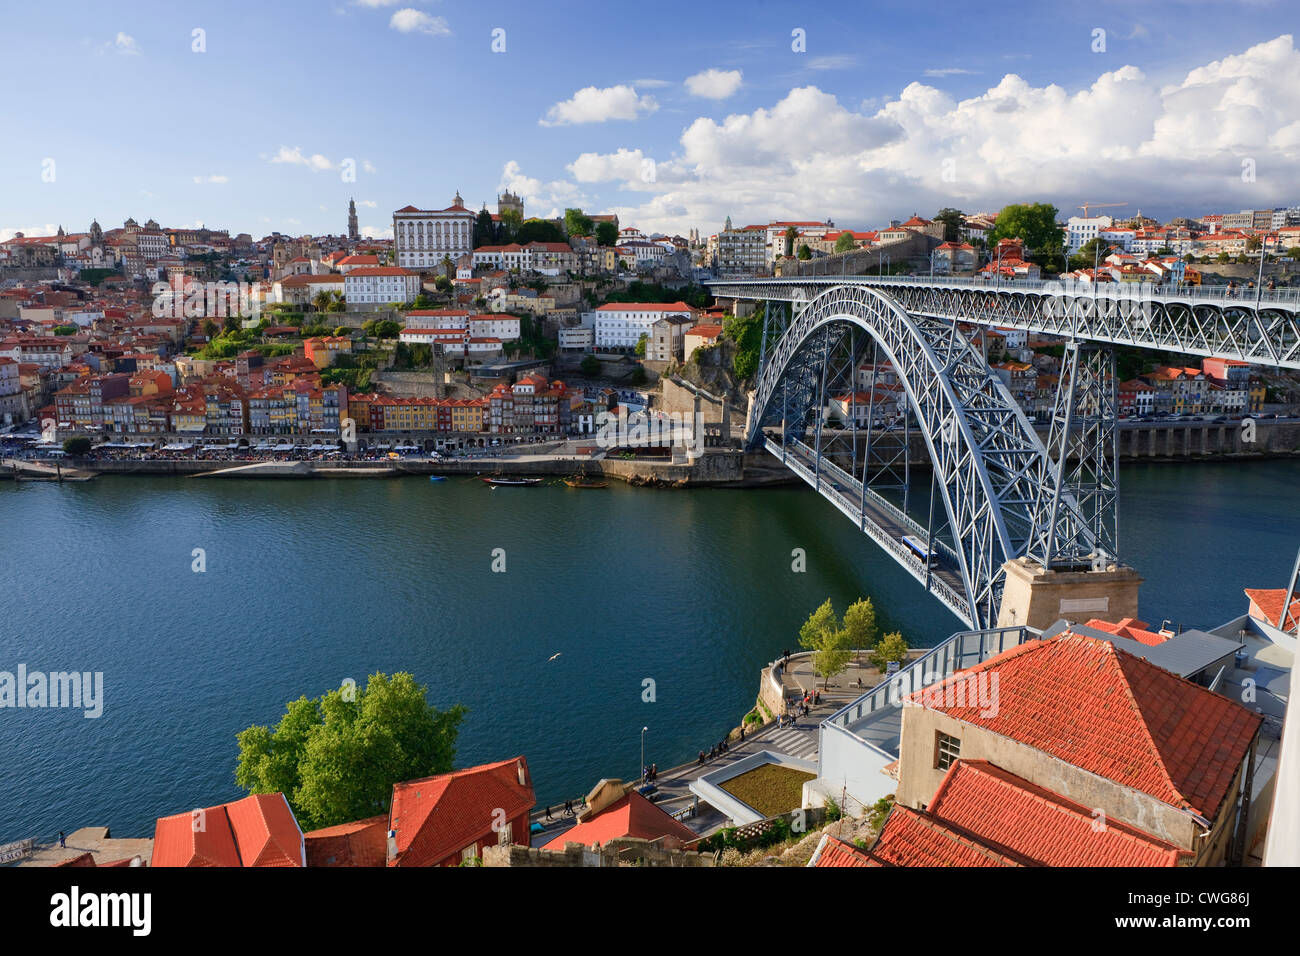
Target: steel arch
(989,463)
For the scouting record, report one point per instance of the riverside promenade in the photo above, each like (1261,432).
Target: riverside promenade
(798,740)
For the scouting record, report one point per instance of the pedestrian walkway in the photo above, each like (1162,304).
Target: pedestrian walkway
(798,741)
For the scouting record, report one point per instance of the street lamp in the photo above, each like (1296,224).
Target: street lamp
(643,733)
(1259,283)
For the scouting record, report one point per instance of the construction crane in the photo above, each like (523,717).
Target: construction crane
(1098,205)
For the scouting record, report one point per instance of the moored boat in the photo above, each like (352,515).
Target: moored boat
(510,481)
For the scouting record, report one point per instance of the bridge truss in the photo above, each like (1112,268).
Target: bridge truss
(993,488)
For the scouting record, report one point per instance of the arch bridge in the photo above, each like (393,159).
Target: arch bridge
(828,407)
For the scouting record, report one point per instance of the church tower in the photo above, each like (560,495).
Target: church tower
(354,232)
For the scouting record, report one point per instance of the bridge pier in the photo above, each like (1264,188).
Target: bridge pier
(1038,597)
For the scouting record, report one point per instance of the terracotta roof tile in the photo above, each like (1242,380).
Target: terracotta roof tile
(1088,703)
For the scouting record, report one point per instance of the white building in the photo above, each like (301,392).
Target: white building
(620,325)
(495,326)
(1080,231)
(422,238)
(377,286)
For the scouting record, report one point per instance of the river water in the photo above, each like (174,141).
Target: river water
(308,583)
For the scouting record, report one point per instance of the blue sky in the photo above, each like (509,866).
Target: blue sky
(890,109)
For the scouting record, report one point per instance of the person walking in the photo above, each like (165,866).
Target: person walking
(548,814)
(62,843)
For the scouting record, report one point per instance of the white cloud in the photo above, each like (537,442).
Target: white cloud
(949,71)
(651,84)
(215,178)
(593,105)
(125,44)
(316,162)
(48,229)
(377,3)
(714,84)
(625,165)
(410,20)
(367,166)
(376,232)
(809,156)
(368,203)
(537,194)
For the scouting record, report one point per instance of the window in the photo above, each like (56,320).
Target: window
(506,834)
(946,750)
(470,852)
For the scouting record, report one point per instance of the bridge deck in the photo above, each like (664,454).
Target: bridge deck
(880,520)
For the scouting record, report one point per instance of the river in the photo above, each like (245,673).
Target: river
(310,582)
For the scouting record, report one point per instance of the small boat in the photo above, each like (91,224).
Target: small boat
(513,482)
(437,477)
(582,481)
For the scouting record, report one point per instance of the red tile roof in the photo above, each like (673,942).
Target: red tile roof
(644,307)
(913,838)
(836,852)
(1086,702)
(361,843)
(438,816)
(259,830)
(1131,628)
(1011,815)
(1269,603)
(630,816)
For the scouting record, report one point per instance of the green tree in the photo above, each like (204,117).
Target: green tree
(892,648)
(65,330)
(539,230)
(442,283)
(747,333)
(577,224)
(484,229)
(590,366)
(232,323)
(510,224)
(791,234)
(952,220)
(387,329)
(210,329)
(804,252)
(823,635)
(640,345)
(860,623)
(845,242)
(1034,223)
(336,759)
(340,330)
(77,446)
(1094,250)
(606,233)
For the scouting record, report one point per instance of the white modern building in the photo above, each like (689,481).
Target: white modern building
(1080,231)
(422,238)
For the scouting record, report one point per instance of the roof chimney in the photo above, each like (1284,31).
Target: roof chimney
(392,845)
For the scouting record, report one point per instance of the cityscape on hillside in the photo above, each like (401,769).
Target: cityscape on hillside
(691,503)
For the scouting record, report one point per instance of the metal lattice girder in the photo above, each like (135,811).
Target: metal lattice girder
(1083,442)
(990,466)
(1263,329)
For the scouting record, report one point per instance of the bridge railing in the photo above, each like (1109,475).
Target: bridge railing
(1218,294)
(950,596)
(895,512)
